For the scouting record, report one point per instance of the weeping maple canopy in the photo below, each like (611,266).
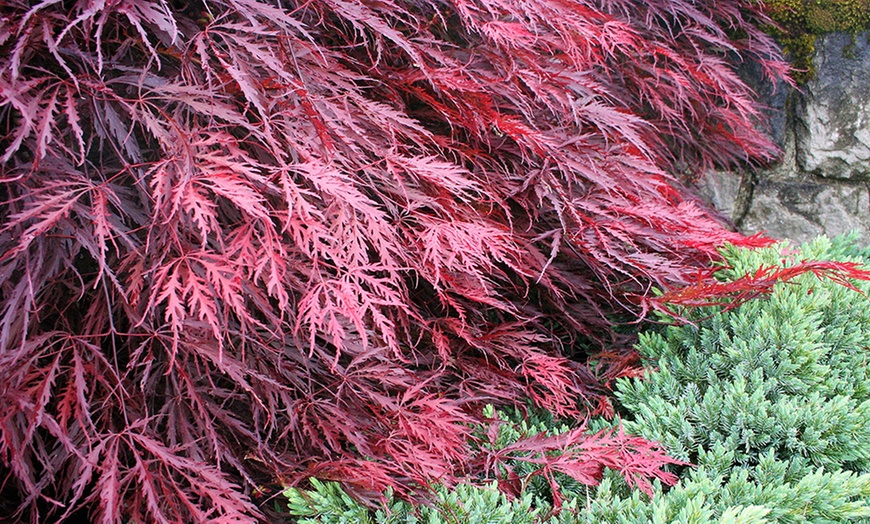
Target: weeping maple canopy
(247,240)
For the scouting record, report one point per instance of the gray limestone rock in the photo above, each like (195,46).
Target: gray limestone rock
(720,189)
(833,117)
(799,211)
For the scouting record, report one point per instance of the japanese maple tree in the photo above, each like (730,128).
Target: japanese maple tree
(244,241)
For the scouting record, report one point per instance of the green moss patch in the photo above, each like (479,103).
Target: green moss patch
(801,21)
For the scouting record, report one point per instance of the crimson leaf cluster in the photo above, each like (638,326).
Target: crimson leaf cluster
(245,240)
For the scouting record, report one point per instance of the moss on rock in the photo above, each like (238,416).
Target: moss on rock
(801,21)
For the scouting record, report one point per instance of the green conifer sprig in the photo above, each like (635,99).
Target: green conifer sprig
(770,400)
(786,374)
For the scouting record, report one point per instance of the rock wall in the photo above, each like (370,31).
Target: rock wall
(822,184)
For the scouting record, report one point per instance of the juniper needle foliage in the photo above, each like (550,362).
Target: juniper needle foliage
(771,399)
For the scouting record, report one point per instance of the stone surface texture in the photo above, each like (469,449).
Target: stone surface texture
(800,211)
(822,184)
(721,190)
(833,122)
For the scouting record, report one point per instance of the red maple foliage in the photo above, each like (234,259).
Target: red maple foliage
(708,291)
(244,240)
